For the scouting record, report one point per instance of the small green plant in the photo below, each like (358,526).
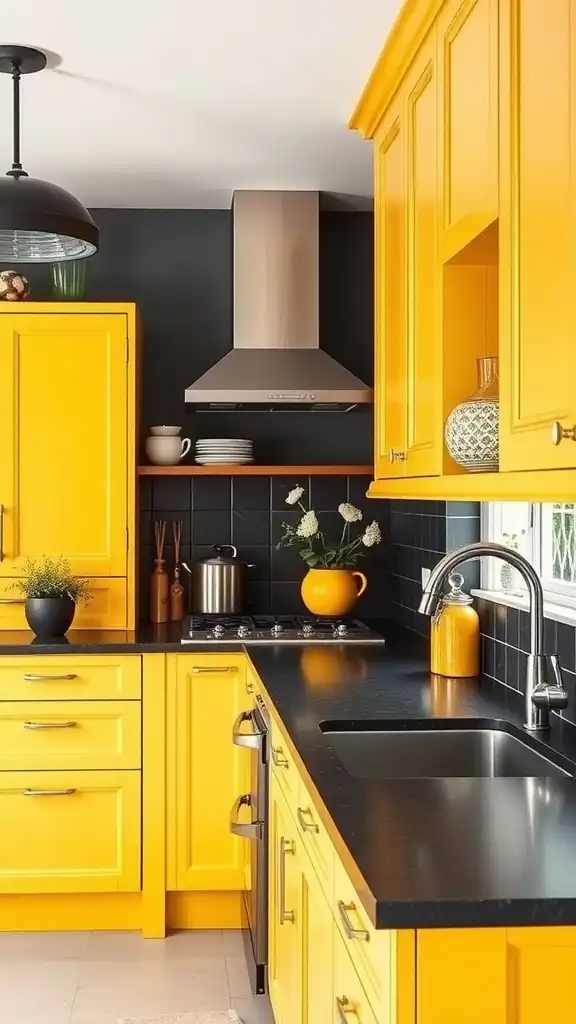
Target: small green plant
(52,577)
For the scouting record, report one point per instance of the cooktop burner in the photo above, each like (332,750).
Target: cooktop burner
(275,629)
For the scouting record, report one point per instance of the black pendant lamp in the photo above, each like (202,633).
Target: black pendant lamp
(39,222)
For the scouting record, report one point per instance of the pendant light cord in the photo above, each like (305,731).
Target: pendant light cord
(16,171)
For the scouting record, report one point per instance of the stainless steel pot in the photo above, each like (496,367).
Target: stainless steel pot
(219,582)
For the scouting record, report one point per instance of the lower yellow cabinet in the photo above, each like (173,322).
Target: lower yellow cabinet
(285,957)
(69,831)
(318,1000)
(206,772)
(350,1000)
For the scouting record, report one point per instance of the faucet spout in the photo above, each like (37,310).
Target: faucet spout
(541,696)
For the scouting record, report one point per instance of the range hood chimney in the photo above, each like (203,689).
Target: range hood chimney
(276,361)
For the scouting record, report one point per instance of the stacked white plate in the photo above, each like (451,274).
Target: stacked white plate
(224,451)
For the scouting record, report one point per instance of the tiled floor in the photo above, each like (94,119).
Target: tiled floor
(99,977)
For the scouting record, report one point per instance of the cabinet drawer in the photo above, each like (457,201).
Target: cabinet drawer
(70,677)
(106,610)
(315,840)
(284,768)
(70,832)
(350,999)
(371,950)
(69,734)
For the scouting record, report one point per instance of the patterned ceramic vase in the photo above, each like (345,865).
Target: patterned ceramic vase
(472,428)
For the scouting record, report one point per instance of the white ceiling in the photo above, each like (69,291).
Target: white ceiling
(175,103)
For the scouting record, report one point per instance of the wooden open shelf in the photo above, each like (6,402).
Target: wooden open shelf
(255,470)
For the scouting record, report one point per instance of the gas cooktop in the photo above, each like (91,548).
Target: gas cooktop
(275,629)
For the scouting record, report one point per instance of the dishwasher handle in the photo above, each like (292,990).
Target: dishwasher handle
(253,740)
(245,829)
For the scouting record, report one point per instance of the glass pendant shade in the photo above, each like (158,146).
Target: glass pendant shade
(39,222)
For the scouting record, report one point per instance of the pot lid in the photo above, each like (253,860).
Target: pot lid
(221,556)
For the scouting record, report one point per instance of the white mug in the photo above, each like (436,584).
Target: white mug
(167,451)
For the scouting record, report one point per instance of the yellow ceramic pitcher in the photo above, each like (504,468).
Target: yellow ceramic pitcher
(332,592)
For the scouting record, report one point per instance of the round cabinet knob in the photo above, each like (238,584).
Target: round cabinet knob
(560,433)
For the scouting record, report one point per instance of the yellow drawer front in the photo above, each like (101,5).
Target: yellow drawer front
(70,677)
(350,1000)
(69,832)
(69,734)
(106,610)
(284,768)
(316,842)
(372,951)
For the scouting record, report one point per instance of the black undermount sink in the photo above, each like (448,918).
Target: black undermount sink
(382,749)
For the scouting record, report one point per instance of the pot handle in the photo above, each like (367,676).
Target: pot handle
(364,581)
(221,548)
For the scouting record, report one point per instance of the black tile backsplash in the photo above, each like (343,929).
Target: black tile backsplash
(249,512)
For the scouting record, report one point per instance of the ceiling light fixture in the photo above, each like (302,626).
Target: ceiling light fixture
(39,222)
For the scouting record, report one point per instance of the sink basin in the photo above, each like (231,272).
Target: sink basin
(381,750)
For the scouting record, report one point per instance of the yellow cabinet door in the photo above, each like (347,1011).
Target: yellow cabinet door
(537,233)
(69,831)
(317,942)
(423,429)
(64,452)
(471,976)
(468,64)
(208,772)
(390,297)
(285,960)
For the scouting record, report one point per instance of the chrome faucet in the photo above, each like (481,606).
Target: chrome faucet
(542,695)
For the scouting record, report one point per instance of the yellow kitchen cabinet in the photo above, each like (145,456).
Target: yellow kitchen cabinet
(537,231)
(317,944)
(470,976)
(350,999)
(68,443)
(468,124)
(70,831)
(285,956)
(57,677)
(408,438)
(206,772)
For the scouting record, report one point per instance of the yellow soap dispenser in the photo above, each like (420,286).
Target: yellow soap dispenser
(455,633)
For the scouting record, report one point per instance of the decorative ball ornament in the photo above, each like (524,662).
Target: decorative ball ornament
(14,287)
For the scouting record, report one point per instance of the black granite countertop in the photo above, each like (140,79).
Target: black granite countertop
(452,852)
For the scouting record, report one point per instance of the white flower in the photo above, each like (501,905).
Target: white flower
(294,496)
(372,535)
(349,512)
(308,525)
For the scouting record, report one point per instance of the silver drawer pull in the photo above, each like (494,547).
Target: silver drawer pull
(278,758)
(286,847)
(215,670)
(345,1008)
(351,931)
(31,677)
(307,826)
(12,600)
(50,725)
(48,792)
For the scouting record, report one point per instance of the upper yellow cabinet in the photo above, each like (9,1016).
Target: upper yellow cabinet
(67,457)
(468,73)
(470,111)
(537,224)
(408,442)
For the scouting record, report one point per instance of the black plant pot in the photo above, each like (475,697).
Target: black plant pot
(49,617)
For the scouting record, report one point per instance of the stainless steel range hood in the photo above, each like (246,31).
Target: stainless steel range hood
(276,361)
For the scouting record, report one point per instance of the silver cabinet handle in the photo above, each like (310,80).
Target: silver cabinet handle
(12,600)
(216,670)
(1,533)
(307,826)
(351,931)
(287,847)
(345,1007)
(31,677)
(278,758)
(560,433)
(50,725)
(253,739)
(248,830)
(48,792)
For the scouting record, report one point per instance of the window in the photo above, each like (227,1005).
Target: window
(545,534)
